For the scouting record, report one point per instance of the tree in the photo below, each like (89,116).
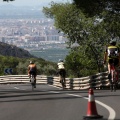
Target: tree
(77,26)
(106,10)
(96,7)
(87,32)
(7,0)
(71,21)
(90,23)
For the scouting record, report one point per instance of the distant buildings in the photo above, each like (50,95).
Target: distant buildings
(30,34)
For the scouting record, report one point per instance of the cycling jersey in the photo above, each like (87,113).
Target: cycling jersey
(61,69)
(113,55)
(61,65)
(32,69)
(113,52)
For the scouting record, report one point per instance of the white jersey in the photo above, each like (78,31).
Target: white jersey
(61,65)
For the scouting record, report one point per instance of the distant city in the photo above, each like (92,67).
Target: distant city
(30,34)
(29,29)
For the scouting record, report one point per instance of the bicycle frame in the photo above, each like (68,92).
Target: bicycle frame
(32,81)
(114,73)
(114,77)
(62,79)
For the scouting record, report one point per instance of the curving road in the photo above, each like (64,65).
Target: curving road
(19,102)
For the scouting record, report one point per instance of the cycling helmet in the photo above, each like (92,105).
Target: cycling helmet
(113,41)
(60,60)
(31,62)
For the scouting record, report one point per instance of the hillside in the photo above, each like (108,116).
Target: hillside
(11,50)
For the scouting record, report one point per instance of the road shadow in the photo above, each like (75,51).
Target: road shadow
(19,98)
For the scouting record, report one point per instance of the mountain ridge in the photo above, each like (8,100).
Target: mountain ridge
(14,51)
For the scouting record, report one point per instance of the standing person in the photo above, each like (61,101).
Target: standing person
(112,55)
(32,69)
(61,71)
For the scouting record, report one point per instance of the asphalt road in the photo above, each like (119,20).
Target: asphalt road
(19,102)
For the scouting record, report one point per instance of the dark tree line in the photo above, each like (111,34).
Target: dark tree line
(20,65)
(96,7)
(7,0)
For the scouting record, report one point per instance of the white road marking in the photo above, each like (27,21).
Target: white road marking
(112,113)
(19,88)
(16,87)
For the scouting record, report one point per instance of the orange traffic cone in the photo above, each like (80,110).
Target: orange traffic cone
(92,111)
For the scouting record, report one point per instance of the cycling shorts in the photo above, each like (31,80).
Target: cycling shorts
(33,72)
(113,60)
(62,72)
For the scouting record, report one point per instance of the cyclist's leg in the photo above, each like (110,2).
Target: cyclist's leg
(112,72)
(116,77)
(64,75)
(60,76)
(35,76)
(116,63)
(34,79)
(111,68)
(110,61)
(30,75)
(109,72)
(110,75)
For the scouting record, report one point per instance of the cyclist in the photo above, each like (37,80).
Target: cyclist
(32,69)
(112,55)
(61,71)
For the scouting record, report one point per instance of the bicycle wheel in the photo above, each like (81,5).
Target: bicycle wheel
(111,86)
(113,78)
(114,86)
(32,86)
(114,82)
(32,82)
(62,83)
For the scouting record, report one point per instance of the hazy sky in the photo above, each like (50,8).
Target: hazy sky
(30,2)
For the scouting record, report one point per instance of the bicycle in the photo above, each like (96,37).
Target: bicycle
(113,78)
(62,79)
(32,80)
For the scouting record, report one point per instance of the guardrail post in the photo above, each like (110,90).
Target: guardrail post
(50,80)
(71,83)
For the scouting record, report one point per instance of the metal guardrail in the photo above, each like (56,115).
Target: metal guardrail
(98,81)
(15,79)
